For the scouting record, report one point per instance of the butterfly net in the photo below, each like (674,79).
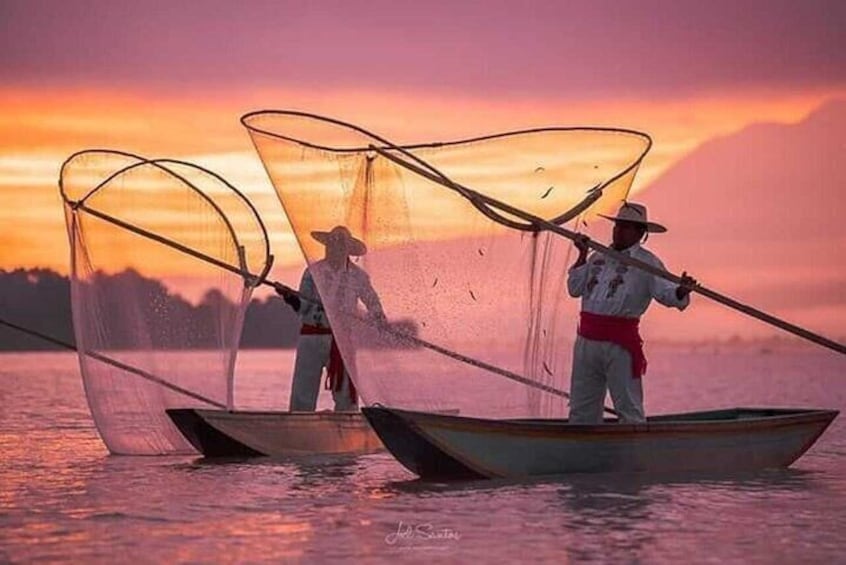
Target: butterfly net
(479,320)
(162,254)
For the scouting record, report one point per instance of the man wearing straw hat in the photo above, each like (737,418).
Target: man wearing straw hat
(608,353)
(317,348)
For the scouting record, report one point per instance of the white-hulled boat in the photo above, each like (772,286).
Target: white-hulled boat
(437,446)
(224,433)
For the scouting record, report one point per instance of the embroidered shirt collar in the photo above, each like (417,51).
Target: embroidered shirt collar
(631,250)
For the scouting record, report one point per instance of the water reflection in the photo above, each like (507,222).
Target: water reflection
(603,515)
(314,471)
(623,484)
(303,472)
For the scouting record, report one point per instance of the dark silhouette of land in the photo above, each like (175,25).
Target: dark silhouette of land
(39,299)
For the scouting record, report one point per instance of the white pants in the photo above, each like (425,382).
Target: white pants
(312,357)
(599,366)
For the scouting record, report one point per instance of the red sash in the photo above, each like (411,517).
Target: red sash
(620,331)
(335,367)
(307,329)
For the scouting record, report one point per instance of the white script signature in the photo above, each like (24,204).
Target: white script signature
(407,532)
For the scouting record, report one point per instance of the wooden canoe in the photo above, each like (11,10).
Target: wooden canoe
(224,433)
(438,446)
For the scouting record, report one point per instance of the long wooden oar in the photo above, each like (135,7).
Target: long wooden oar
(483,200)
(262,280)
(115,363)
(463,358)
(458,356)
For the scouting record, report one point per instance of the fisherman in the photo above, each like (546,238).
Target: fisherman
(317,349)
(608,353)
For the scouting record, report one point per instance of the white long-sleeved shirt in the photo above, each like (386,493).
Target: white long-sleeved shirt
(611,288)
(343,288)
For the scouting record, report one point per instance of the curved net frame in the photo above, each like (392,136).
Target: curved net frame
(164,258)
(475,293)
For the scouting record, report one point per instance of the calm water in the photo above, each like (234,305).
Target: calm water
(63,498)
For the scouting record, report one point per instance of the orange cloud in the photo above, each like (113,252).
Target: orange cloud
(40,128)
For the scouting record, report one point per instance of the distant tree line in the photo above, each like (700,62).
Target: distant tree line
(39,299)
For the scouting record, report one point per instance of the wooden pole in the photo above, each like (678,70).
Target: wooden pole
(482,200)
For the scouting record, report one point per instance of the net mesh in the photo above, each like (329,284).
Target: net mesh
(139,299)
(475,293)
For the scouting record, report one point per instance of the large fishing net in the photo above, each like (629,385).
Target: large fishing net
(473,286)
(164,257)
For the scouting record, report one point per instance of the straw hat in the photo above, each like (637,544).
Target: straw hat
(340,235)
(631,212)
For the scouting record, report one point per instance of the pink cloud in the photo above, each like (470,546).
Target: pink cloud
(601,48)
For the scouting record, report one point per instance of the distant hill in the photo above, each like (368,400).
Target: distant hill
(766,183)
(760,215)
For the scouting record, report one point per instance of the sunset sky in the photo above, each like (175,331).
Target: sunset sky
(164,78)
